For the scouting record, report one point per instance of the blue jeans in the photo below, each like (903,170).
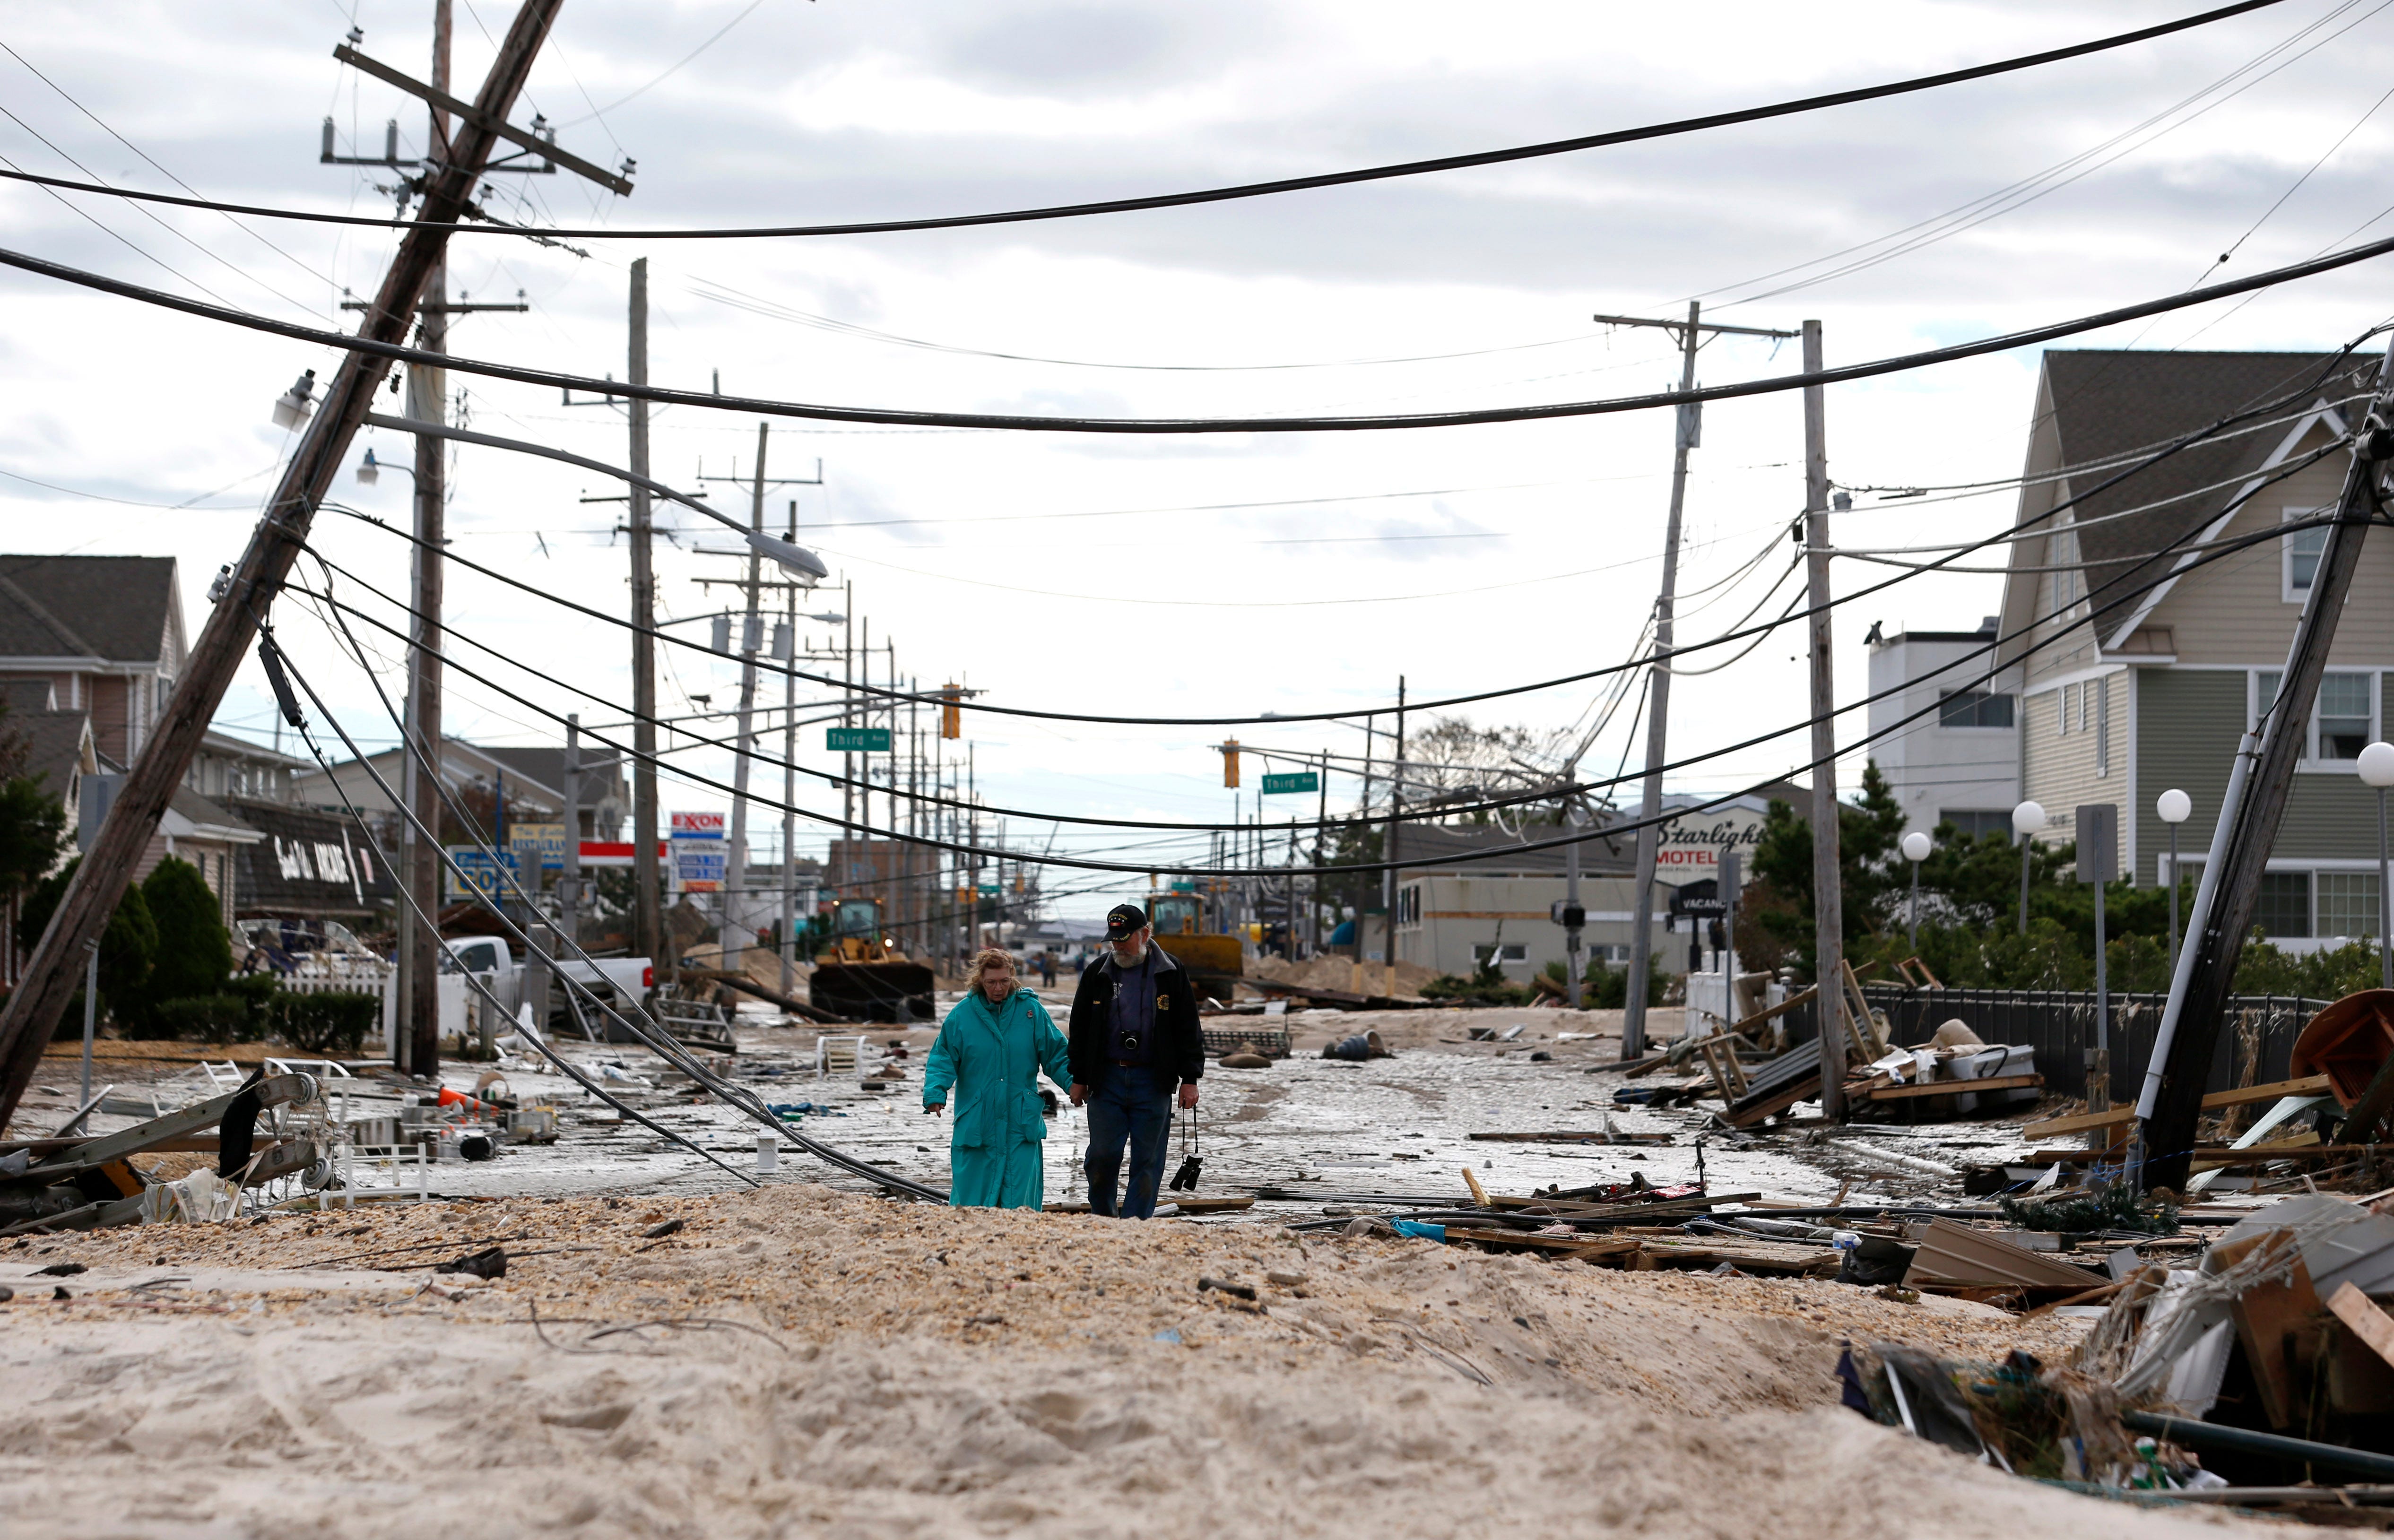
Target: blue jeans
(1130,1108)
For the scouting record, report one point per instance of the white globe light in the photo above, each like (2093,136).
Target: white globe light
(1916,846)
(2028,818)
(2376,765)
(2174,805)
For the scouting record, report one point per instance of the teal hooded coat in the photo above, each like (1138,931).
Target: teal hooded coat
(991,1056)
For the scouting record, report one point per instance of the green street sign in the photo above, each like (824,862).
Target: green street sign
(1303,780)
(860,740)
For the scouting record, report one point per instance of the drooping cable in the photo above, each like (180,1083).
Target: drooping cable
(1332,178)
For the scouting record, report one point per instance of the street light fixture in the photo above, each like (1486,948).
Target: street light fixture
(2173,807)
(2376,766)
(295,406)
(1916,846)
(2027,819)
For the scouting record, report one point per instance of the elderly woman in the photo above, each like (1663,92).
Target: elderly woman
(990,1051)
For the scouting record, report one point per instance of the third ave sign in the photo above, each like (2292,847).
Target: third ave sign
(858,740)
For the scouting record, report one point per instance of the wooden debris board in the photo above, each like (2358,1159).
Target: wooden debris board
(2079,1123)
(2360,1314)
(1954,1254)
(1573,1136)
(2265,1313)
(1949,1087)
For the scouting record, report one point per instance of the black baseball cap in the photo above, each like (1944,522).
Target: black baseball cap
(1123,921)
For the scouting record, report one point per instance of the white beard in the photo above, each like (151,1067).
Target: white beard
(1132,959)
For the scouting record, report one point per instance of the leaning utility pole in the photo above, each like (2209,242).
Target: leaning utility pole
(1828,893)
(1658,690)
(2257,785)
(32,1012)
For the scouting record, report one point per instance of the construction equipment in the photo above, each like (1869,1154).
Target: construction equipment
(1213,960)
(861,975)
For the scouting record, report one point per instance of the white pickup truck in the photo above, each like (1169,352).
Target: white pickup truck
(619,980)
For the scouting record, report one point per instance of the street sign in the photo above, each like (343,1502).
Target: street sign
(697,825)
(858,740)
(989,889)
(1302,780)
(480,879)
(698,864)
(537,846)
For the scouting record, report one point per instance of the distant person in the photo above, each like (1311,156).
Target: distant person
(990,1051)
(1047,971)
(1135,1038)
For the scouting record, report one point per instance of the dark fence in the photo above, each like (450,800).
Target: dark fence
(2059,1024)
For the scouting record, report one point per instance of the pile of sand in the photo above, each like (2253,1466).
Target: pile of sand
(1339,973)
(797,1362)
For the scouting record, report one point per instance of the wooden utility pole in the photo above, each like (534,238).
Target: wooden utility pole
(418,1049)
(1828,893)
(648,900)
(1690,334)
(31,1011)
(2264,772)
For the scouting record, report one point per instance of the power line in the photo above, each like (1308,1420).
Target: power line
(2183,441)
(1340,178)
(552,379)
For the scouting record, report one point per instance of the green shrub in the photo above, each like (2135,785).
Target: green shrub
(126,949)
(333,1022)
(261,996)
(202,1018)
(194,954)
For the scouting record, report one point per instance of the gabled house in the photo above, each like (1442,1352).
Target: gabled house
(2152,639)
(532,782)
(106,632)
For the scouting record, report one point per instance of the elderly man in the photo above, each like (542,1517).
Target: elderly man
(1135,1039)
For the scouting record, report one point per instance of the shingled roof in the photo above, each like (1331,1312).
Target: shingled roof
(2109,404)
(113,607)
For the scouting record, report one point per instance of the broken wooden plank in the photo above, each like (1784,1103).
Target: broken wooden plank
(2079,1123)
(1950,1087)
(2363,1318)
(1573,1136)
(2270,1308)
(1954,1254)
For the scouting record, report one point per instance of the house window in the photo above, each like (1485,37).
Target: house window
(2068,696)
(2265,693)
(2344,710)
(2102,689)
(2301,554)
(2283,907)
(1970,822)
(2348,903)
(1974,708)
(1515,952)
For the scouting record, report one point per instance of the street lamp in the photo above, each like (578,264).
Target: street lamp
(2376,766)
(1916,846)
(2027,819)
(295,406)
(2173,807)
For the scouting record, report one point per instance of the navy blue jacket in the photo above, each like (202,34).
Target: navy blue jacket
(1180,1042)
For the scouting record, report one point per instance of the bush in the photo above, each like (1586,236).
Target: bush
(194,954)
(333,1022)
(202,1018)
(126,947)
(261,996)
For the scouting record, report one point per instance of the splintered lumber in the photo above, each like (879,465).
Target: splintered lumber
(1568,1245)
(1945,1087)
(1956,1256)
(746,985)
(2271,1307)
(1792,1077)
(1758,1256)
(2080,1123)
(1478,1193)
(2363,1318)
(1573,1136)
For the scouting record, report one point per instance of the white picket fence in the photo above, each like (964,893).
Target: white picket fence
(320,974)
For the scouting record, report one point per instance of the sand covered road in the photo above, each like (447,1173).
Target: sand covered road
(845,1366)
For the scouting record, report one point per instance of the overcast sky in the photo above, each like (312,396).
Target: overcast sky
(1167,576)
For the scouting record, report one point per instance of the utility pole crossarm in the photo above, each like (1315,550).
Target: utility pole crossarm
(1677,326)
(492,124)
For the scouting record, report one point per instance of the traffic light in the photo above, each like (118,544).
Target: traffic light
(952,716)
(1229,763)
(1570,915)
